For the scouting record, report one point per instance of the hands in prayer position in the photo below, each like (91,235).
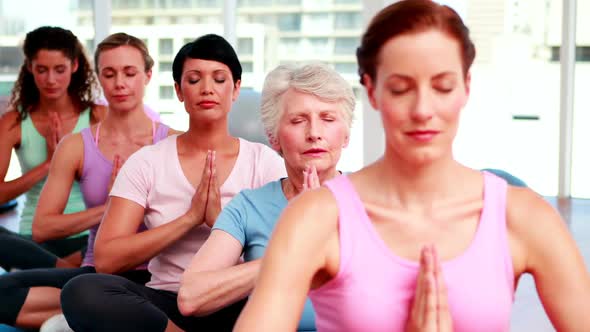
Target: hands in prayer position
(430,309)
(54,135)
(310,178)
(206,203)
(118,162)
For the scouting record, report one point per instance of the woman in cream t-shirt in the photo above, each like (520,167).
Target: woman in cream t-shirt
(177,188)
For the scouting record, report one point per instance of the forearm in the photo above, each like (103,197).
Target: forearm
(12,189)
(205,292)
(59,226)
(123,253)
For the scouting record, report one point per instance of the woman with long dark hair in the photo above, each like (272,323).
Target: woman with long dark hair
(52,97)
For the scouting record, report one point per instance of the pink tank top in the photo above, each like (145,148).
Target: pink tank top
(96,174)
(374,288)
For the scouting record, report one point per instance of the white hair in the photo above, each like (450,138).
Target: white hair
(317,79)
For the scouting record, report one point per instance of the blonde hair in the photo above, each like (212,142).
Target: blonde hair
(121,39)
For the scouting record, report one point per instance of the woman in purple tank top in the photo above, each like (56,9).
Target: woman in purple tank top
(93,158)
(417,241)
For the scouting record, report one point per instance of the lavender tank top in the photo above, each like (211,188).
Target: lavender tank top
(95,178)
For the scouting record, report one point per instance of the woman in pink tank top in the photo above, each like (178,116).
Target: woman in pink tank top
(399,245)
(92,157)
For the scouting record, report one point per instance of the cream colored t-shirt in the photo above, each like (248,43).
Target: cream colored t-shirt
(153,178)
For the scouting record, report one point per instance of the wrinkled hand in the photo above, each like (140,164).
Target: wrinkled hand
(196,212)
(54,134)
(214,196)
(430,309)
(117,163)
(310,178)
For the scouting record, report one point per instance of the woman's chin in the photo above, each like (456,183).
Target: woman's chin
(324,168)
(206,114)
(425,158)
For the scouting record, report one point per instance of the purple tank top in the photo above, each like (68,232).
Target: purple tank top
(374,287)
(95,178)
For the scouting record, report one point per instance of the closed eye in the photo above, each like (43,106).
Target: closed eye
(399,92)
(444,90)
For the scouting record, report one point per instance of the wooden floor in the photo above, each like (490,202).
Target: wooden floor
(528,314)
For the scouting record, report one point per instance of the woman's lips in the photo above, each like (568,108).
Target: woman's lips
(121,98)
(315,152)
(207,104)
(51,90)
(422,135)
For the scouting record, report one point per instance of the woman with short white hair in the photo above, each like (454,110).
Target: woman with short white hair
(307,114)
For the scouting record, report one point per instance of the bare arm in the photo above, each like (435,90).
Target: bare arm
(297,251)
(551,256)
(119,247)
(50,222)
(11,136)
(213,280)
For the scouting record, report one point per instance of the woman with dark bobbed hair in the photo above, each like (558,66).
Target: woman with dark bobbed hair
(177,188)
(52,97)
(399,245)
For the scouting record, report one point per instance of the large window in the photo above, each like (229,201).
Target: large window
(19,17)
(346,45)
(11,59)
(126,4)
(581,134)
(512,118)
(246,46)
(348,20)
(165,46)
(299,31)
(511,121)
(165,26)
(289,22)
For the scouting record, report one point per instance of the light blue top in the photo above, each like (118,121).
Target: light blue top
(250,217)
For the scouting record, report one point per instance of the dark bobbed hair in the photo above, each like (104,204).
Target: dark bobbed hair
(208,47)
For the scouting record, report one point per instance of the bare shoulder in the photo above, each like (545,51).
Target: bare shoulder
(70,148)
(307,232)
(533,225)
(9,126)
(99,112)
(312,214)
(527,210)
(8,120)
